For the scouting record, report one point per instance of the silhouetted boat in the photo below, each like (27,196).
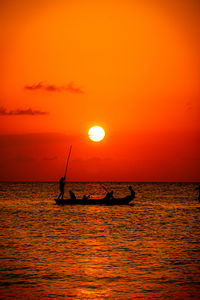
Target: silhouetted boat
(114,201)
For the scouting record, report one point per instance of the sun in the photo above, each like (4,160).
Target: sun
(96,133)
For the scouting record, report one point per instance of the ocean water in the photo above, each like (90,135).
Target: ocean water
(150,250)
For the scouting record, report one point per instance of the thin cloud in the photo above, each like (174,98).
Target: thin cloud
(21,112)
(70,87)
(50,158)
(34,87)
(52,88)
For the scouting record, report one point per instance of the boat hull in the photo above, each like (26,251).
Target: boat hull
(114,201)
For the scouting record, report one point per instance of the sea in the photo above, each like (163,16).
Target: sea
(147,250)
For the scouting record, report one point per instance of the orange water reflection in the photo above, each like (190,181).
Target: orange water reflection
(149,251)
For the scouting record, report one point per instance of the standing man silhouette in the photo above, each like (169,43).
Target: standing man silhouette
(61,186)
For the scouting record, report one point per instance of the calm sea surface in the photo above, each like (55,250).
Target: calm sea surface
(150,250)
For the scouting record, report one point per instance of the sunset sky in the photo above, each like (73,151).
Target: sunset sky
(132,67)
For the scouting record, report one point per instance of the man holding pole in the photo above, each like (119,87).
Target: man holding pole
(62,179)
(61,186)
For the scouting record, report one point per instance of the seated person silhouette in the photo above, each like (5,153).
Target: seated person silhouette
(109,196)
(132,195)
(72,195)
(132,191)
(85,198)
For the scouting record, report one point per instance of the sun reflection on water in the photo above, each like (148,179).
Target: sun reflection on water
(99,252)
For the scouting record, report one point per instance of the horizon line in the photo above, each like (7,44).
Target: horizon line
(92,181)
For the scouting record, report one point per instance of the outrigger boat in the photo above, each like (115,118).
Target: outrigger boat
(104,201)
(107,200)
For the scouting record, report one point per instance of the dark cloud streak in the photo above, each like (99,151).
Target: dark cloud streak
(50,158)
(53,88)
(21,112)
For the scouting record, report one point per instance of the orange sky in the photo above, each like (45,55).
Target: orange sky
(129,66)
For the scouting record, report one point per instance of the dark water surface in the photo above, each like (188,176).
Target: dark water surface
(147,251)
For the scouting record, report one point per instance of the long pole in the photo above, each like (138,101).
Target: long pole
(70,150)
(104,187)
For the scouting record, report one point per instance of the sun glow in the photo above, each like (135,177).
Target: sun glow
(96,133)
